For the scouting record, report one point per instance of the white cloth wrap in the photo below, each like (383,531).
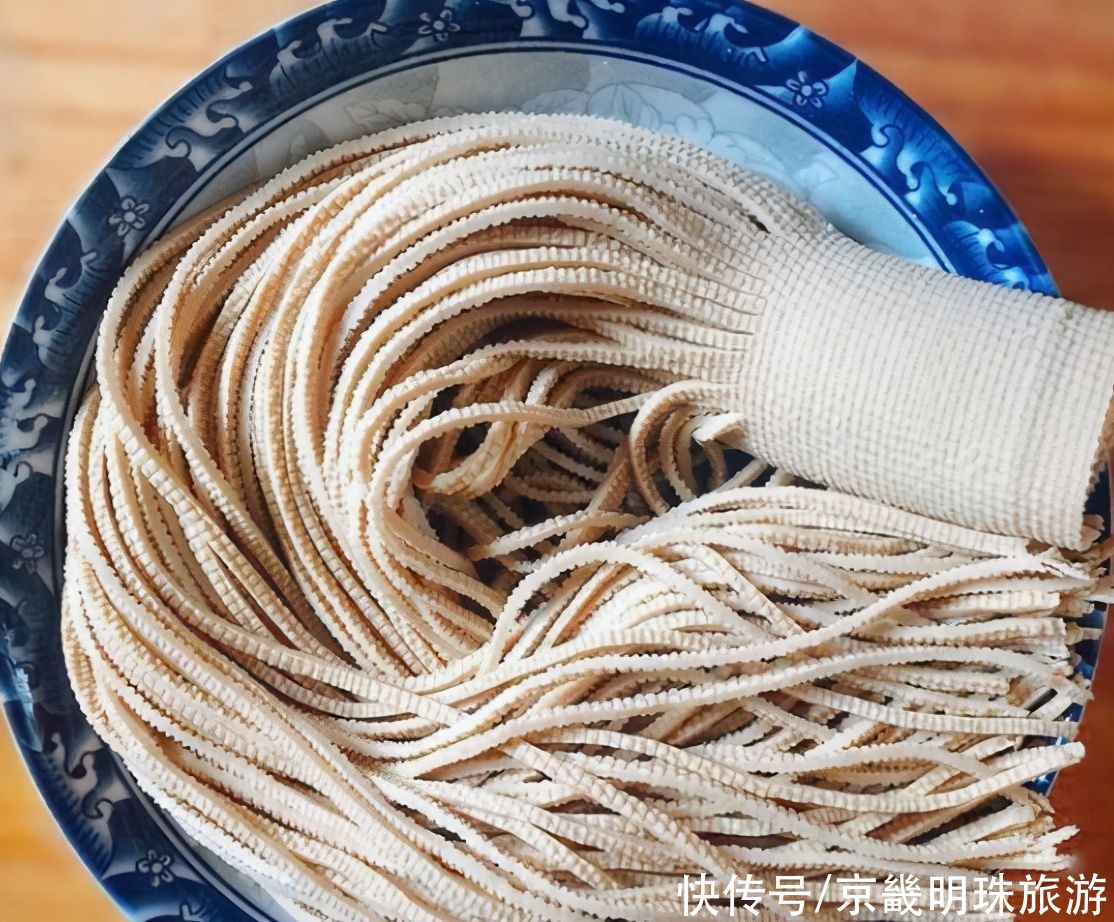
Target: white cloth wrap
(949,397)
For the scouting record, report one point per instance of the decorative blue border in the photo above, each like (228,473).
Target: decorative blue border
(147,866)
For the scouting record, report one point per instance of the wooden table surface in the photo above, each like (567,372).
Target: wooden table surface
(1027,86)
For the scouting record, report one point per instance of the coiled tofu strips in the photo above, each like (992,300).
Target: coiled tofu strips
(415,568)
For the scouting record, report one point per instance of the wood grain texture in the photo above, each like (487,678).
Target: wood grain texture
(1026,86)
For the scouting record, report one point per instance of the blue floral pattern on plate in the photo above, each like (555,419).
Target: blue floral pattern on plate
(691,67)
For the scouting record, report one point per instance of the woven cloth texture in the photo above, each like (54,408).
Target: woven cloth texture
(950,397)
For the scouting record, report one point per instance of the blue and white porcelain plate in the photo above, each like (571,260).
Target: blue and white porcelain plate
(746,83)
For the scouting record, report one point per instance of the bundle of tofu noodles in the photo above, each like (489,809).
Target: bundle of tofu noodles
(436,548)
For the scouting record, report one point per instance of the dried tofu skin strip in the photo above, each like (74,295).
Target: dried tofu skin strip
(414,567)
